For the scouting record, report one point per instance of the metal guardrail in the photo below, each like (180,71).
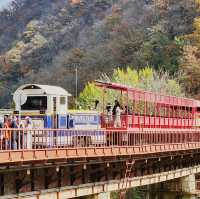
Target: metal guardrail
(26,139)
(137,121)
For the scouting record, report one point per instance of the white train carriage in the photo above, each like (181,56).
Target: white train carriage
(47,106)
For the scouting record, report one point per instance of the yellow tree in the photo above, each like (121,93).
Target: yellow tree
(146,79)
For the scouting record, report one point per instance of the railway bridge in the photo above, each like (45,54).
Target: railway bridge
(61,164)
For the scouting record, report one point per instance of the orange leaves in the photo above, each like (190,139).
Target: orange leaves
(75,2)
(5,65)
(161,4)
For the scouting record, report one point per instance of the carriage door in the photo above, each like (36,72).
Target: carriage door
(54,113)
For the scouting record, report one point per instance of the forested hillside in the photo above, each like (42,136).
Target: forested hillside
(42,41)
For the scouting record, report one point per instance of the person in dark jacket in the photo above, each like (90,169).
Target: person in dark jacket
(117,104)
(96,104)
(14,136)
(1,132)
(1,123)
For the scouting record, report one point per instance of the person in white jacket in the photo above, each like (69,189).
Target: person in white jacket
(118,111)
(28,133)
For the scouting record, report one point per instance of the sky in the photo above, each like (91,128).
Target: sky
(4,3)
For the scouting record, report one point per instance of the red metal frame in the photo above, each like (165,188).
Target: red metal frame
(51,144)
(151,110)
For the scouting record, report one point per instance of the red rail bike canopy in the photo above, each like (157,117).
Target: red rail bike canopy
(141,95)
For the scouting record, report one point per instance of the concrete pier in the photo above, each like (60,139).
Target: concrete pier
(103,195)
(182,188)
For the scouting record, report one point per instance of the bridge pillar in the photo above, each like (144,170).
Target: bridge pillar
(189,197)
(161,196)
(188,185)
(105,195)
(182,188)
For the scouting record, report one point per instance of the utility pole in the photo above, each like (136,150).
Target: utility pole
(76,83)
(74,70)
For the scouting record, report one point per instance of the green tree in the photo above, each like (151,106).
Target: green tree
(88,96)
(146,79)
(161,51)
(128,77)
(134,193)
(114,20)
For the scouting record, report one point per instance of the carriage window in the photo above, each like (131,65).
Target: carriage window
(62,100)
(35,103)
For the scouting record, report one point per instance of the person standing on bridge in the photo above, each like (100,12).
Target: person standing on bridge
(109,117)
(7,132)
(14,135)
(117,110)
(20,138)
(96,105)
(1,122)
(1,133)
(28,133)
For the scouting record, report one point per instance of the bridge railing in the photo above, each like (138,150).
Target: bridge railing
(22,139)
(138,121)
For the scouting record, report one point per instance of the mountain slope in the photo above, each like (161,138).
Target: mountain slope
(42,41)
